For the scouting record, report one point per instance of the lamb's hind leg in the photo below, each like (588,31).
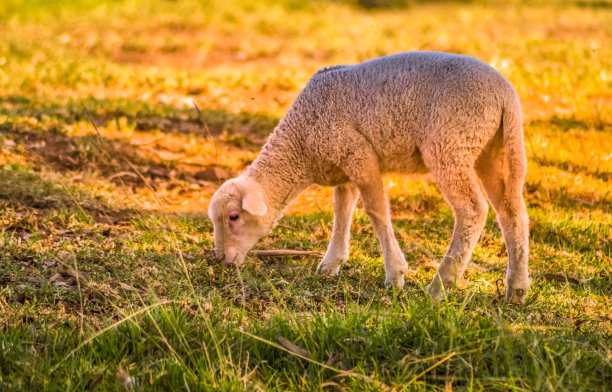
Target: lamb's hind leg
(345,198)
(511,211)
(462,191)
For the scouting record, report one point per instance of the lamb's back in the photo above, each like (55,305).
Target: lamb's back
(408,101)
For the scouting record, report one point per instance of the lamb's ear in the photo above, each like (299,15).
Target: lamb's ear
(253,203)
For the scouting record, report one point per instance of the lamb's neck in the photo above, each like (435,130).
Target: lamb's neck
(282,170)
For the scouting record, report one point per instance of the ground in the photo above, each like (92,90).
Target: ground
(118,120)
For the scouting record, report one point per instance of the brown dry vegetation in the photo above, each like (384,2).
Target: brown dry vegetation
(119,120)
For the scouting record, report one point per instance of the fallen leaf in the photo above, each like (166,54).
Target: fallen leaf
(582,201)
(289,345)
(77,274)
(54,278)
(158,174)
(560,277)
(127,287)
(35,280)
(244,294)
(49,264)
(61,284)
(121,174)
(478,267)
(430,264)
(193,238)
(213,174)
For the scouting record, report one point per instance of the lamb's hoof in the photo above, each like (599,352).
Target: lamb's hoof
(395,279)
(331,268)
(436,288)
(435,291)
(516,296)
(517,286)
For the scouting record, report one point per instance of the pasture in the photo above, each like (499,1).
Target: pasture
(119,120)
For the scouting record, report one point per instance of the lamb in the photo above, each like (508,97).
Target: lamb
(417,112)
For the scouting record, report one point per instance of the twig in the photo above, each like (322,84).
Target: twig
(287,227)
(283,252)
(499,293)
(586,202)
(144,143)
(123,173)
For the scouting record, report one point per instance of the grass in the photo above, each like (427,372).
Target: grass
(107,280)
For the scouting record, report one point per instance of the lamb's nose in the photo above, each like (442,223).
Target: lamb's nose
(219,259)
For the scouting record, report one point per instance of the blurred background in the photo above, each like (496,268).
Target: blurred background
(140,68)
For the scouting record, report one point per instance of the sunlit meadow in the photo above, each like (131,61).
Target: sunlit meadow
(119,119)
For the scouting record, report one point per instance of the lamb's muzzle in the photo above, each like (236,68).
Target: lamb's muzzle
(417,112)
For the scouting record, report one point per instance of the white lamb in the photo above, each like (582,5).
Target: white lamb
(416,112)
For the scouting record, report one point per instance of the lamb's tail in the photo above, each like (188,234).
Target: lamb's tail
(514,145)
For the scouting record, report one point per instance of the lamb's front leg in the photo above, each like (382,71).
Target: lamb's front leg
(345,198)
(376,205)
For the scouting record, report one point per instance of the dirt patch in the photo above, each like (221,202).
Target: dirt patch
(119,161)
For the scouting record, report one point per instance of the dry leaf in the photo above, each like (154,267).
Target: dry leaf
(77,274)
(35,280)
(127,287)
(54,278)
(560,277)
(49,264)
(289,345)
(582,201)
(478,267)
(121,174)
(430,264)
(61,284)
(244,294)
(213,174)
(193,238)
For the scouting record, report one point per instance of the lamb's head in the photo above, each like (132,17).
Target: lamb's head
(240,218)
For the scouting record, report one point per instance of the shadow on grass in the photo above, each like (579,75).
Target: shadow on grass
(40,128)
(27,192)
(565,124)
(144,116)
(391,4)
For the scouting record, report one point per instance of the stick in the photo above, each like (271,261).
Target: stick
(283,252)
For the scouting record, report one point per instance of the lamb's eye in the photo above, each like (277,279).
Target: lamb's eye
(234,217)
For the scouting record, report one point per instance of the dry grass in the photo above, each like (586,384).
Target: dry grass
(108,165)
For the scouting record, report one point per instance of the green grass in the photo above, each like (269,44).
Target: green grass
(106,272)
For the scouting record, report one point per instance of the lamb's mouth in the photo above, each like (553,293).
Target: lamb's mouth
(237,260)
